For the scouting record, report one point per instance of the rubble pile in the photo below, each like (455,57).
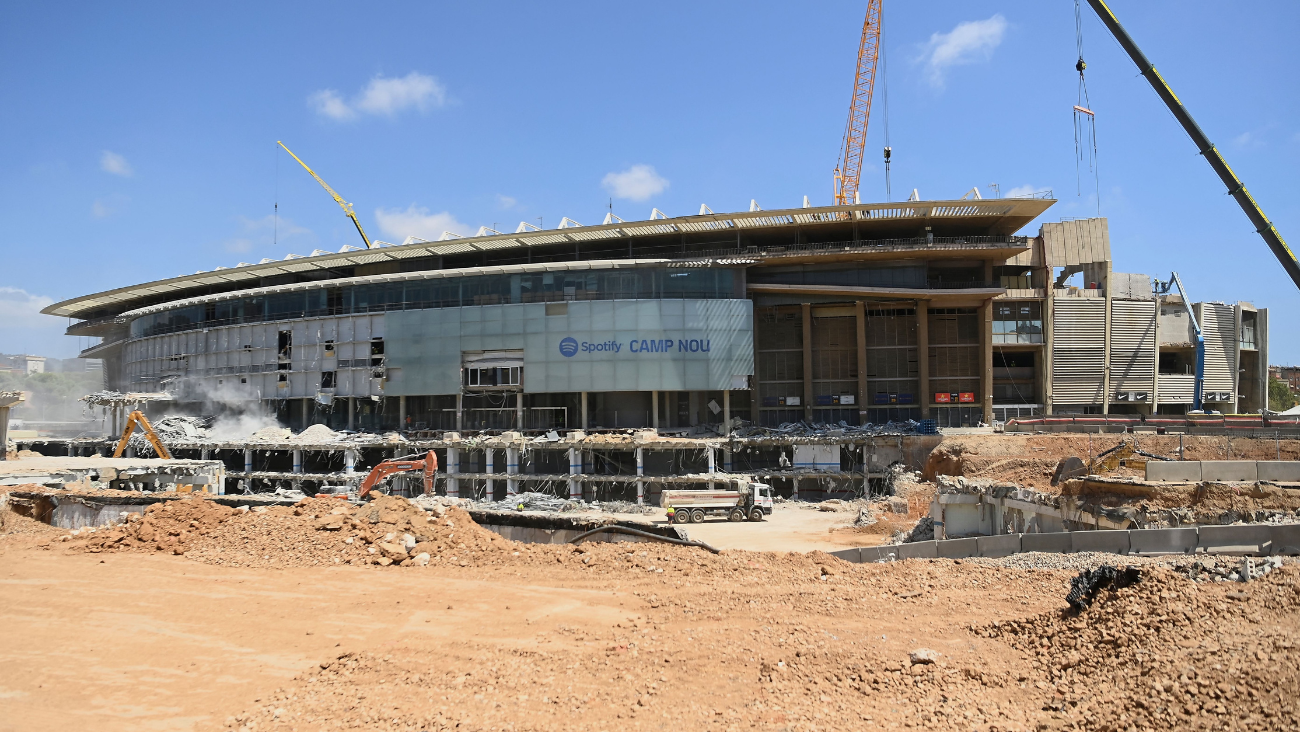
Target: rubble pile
(1168,653)
(823,429)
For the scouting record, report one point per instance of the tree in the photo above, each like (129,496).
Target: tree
(1280,397)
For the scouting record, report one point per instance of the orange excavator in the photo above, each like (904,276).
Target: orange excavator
(401,465)
(137,418)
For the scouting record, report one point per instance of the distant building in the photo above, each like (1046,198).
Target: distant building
(22,363)
(1289,374)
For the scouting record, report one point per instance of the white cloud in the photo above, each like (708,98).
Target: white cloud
(23,329)
(506,201)
(1022,191)
(969,42)
(264,232)
(111,162)
(382,96)
(100,209)
(637,183)
(417,221)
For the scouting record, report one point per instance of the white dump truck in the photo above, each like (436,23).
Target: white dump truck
(743,499)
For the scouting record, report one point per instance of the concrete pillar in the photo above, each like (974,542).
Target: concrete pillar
(297,461)
(306,411)
(453,471)
(401,413)
(512,469)
(349,461)
(489,491)
(807,363)
(583,408)
(1105,357)
(519,411)
(860,312)
(640,472)
(248,460)
(654,409)
(460,411)
(726,411)
(1155,370)
(923,356)
(4,433)
(986,357)
(352,412)
(205,454)
(713,467)
(575,469)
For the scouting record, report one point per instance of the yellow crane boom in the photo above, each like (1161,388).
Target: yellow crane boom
(347,207)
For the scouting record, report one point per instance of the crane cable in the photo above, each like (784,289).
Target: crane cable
(884,69)
(1085,120)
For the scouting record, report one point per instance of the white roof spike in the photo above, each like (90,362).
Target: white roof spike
(414,240)
(805,202)
(447,236)
(319,252)
(349,248)
(753,205)
(266,261)
(485,231)
(376,243)
(657,214)
(292,256)
(611,218)
(244,264)
(915,196)
(974,192)
(568,223)
(704,209)
(525,226)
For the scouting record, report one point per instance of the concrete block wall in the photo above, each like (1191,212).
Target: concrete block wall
(1253,539)
(1193,471)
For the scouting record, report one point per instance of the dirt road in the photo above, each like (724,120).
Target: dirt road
(497,635)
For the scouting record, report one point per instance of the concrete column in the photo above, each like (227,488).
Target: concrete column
(575,469)
(654,409)
(248,460)
(807,363)
(512,469)
(519,411)
(923,356)
(460,411)
(401,413)
(1155,370)
(490,488)
(204,454)
(1236,359)
(1105,357)
(860,312)
(986,357)
(453,471)
(583,408)
(726,411)
(349,461)
(4,433)
(306,411)
(297,461)
(794,489)
(640,471)
(713,466)
(352,412)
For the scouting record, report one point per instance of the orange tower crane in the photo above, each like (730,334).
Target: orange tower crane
(849,167)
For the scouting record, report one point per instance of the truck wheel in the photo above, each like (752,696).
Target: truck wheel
(697,516)
(681,517)
(736,515)
(756,514)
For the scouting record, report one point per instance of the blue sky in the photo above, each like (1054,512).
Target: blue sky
(139,139)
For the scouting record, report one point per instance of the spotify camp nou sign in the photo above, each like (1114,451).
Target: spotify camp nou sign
(570,346)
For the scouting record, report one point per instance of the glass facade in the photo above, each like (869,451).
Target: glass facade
(420,294)
(1018,322)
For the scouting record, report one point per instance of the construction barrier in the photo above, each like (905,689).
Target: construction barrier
(1242,539)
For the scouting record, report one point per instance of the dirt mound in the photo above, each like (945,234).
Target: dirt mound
(1167,653)
(173,526)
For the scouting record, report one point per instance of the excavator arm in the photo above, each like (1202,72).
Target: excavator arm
(391,467)
(137,417)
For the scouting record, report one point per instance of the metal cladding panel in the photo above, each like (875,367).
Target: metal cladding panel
(604,345)
(1219,327)
(1078,352)
(1132,344)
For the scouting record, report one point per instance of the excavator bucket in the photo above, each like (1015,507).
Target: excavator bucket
(1070,467)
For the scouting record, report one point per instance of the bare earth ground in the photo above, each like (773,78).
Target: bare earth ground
(265,621)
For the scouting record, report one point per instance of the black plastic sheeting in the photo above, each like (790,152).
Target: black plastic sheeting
(1085,587)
